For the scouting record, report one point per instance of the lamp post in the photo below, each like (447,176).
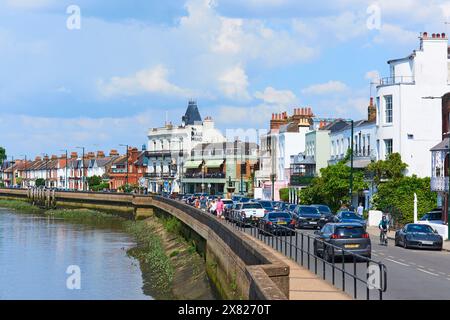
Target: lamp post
(45,156)
(82,169)
(351,163)
(12,170)
(126,177)
(25,167)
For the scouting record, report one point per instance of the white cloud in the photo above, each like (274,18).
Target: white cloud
(153,80)
(234,83)
(29,4)
(273,96)
(240,115)
(326,88)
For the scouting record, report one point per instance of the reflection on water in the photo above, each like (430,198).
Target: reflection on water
(35,253)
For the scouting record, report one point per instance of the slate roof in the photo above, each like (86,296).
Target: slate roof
(192,114)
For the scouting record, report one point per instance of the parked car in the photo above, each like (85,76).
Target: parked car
(277,222)
(350,217)
(326,214)
(227,208)
(307,216)
(267,205)
(249,212)
(434,216)
(414,235)
(290,208)
(342,239)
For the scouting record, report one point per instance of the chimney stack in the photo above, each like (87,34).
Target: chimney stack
(100,154)
(371,111)
(73,155)
(38,158)
(54,157)
(113,153)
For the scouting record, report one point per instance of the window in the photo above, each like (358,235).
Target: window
(388,109)
(388,147)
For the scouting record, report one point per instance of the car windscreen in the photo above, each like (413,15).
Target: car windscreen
(349,215)
(350,232)
(292,206)
(266,204)
(323,208)
(419,228)
(251,206)
(311,210)
(279,215)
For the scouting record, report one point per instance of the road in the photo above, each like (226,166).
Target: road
(412,274)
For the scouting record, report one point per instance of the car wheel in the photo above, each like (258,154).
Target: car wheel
(405,244)
(396,242)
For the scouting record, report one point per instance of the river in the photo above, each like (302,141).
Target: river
(36,254)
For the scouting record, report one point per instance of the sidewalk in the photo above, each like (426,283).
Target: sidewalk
(375,232)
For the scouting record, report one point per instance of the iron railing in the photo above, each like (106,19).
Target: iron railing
(299,247)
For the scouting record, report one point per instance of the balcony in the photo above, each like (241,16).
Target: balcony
(439,184)
(388,81)
(199,175)
(160,175)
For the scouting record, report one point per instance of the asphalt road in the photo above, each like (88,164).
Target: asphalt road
(411,274)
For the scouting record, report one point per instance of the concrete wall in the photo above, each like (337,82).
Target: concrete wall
(239,265)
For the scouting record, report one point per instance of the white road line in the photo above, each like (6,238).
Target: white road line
(433,274)
(420,266)
(442,273)
(403,264)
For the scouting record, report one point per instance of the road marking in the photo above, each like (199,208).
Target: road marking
(382,253)
(420,266)
(442,273)
(433,274)
(403,264)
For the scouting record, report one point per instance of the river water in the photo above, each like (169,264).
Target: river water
(42,258)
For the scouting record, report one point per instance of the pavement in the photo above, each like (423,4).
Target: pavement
(374,231)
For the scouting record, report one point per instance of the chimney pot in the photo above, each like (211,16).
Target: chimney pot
(425,35)
(443,35)
(433,35)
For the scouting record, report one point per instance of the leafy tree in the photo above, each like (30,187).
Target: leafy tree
(40,182)
(94,181)
(393,168)
(100,187)
(332,186)
(2,155)
(397,196)
(127,188)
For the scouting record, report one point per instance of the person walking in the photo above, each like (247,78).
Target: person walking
(213,207)
(220,207)
(203,203)
(360,210)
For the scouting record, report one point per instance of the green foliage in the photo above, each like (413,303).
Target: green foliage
(40,182)
(94,181)
(284,194)
(20,205)
(172,225)
(398,195)
(100,187)
(332,186)
(127,188)
(2,155)
(392,168)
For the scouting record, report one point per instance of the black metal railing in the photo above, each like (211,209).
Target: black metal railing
(356,275)
(300,247)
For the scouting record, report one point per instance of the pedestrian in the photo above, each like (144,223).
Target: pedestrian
(197,203)
(360,210)
(203,203)
(343,207)
(220,207)
(213,207)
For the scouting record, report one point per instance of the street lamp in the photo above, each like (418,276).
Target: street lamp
(126,177)
(82,169)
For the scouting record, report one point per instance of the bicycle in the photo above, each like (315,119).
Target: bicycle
(383,237)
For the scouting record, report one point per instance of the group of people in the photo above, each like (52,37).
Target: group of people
(359,211)
(215,206)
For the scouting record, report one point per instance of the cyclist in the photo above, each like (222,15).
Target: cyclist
(384,226)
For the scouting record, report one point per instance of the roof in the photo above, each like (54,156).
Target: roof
(336,125)
(441,146)
(359,163)
(192,114)
(307,160)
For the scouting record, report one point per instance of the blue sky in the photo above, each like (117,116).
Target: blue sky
(132,63)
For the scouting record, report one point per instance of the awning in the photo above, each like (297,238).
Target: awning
(192,164)
(213,163)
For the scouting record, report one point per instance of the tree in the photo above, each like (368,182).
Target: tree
(284,194)
(393,168)
(332,186)
(2,155)
(40,182)
(94,181)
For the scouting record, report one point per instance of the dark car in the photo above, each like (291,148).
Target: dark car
(277,222)
(307,216)
(350,217)
(267,205)
(227,208)
(415,235)
(342,239)
(290,208)
(327,214)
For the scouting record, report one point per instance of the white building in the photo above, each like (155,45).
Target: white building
(409,105)
(169,147)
